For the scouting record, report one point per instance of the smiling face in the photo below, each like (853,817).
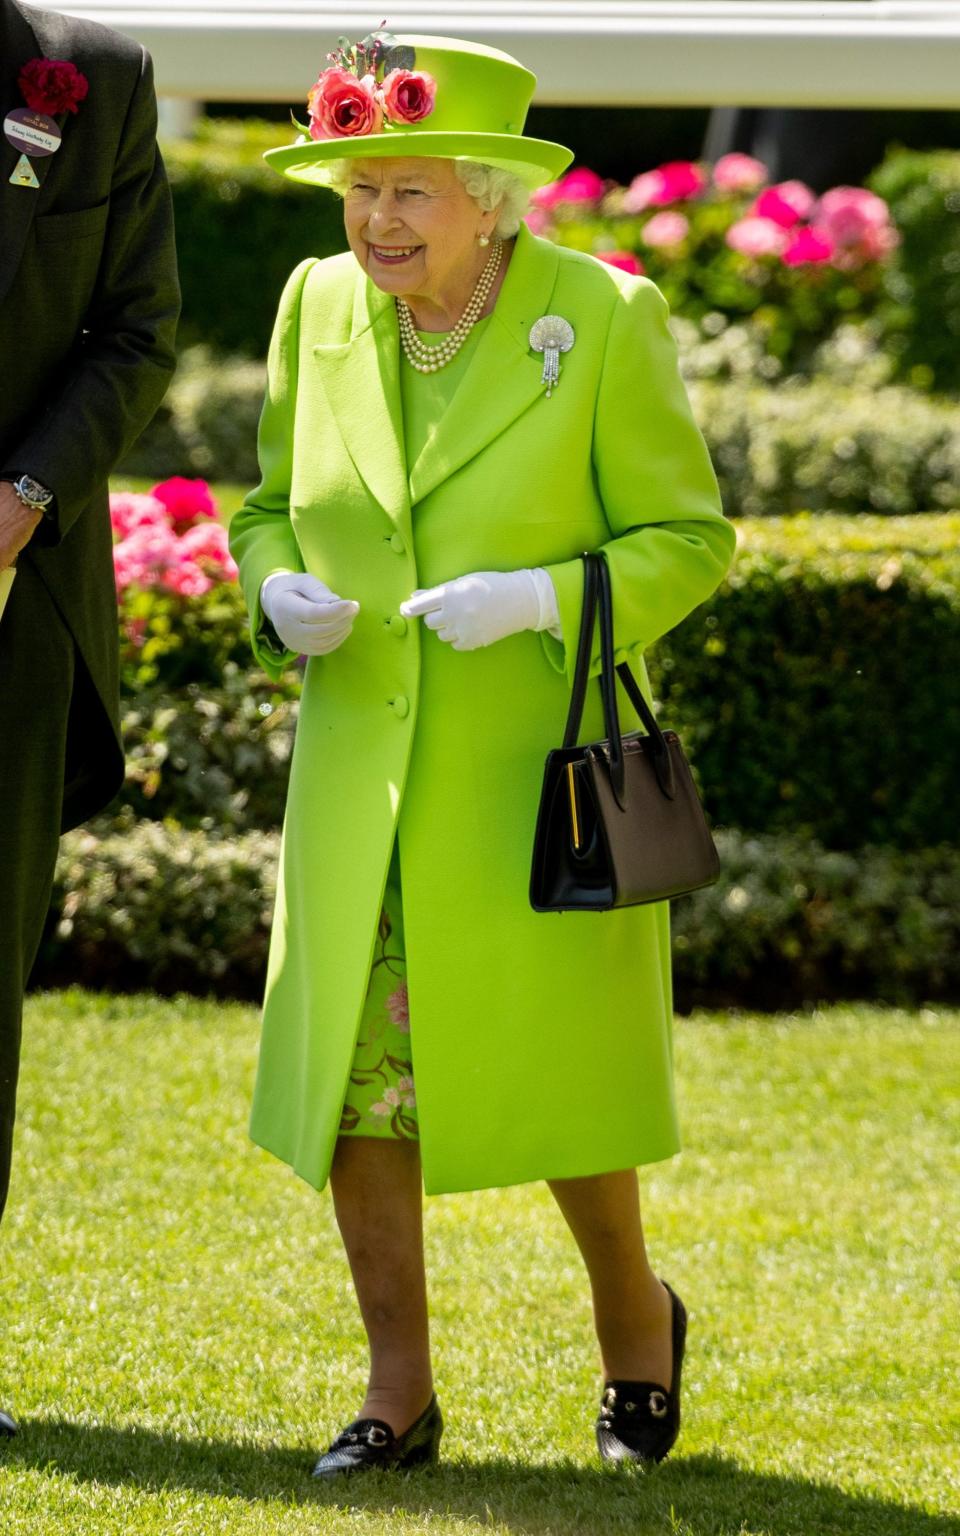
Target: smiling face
(414,230)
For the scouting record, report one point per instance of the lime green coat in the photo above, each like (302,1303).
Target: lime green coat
(541,1043)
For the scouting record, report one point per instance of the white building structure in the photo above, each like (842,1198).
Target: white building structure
(840,53)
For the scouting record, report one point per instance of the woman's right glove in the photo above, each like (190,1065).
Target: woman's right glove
(309,618)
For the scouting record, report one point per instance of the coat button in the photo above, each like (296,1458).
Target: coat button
(400,706)
(397,625)
(397,544)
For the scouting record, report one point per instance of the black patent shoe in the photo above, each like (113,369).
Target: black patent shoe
(369,1443)
(8,1426)
(639,1420)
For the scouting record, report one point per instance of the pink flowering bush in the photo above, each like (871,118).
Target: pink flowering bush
(722,240)
(181,614)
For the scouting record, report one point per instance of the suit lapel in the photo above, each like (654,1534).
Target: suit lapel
(18,205)
(504,376)
(361,380)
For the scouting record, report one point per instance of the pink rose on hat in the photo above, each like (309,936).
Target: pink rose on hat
(341,106)
(408,95)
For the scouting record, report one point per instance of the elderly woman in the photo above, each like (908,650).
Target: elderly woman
(416,534)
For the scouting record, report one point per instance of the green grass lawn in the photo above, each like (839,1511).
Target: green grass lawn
(181,1335)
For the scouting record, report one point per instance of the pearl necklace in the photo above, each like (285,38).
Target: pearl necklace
(429,359)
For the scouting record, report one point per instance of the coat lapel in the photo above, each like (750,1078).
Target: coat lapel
(504,376)
(361,380)
(18,205)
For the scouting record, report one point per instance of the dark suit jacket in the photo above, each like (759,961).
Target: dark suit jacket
(89,302)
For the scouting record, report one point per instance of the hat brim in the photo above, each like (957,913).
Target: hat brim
(535,161)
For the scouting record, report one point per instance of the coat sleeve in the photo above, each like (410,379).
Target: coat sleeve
(262,539)
(671,543)
(127,358)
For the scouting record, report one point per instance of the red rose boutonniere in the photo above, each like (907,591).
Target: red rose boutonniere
(52,86)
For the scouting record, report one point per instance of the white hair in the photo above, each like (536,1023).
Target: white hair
(488,185)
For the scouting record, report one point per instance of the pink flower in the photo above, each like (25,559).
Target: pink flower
(578,186)
(665,229)
(145,556)
(380,1109)
(681,179)
(643,192)
(808,245)
(739,173)
(625,261)
(207,546)
(849,212)
(673,182)
(408,95)
(391,1097)
(398,1007)
(341,106)
(757,237)
(581,186)
(858,223)
(128,510)
(186,579)
(537,221)
(786,203)
(185,501)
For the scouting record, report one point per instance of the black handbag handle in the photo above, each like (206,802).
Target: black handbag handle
(596,590)
(581,671)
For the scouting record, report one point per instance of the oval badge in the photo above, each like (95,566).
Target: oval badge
(32,133)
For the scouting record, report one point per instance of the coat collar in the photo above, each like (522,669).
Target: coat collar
(362,382)
(22,39)
(361,379)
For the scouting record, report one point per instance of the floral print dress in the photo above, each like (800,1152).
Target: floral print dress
(380,1097)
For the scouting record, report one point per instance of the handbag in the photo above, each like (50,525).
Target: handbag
(620,822)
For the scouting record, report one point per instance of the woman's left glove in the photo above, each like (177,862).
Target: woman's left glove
(486,606)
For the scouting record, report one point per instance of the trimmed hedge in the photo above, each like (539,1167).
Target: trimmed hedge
(815,692)
(826,445)
(241,230)
(145,905)
(922,322)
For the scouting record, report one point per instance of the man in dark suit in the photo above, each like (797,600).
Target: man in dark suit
(89,302)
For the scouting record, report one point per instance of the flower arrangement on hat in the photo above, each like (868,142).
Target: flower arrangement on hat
(370,86)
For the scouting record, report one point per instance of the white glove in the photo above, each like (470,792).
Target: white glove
(309,618)
(486,606)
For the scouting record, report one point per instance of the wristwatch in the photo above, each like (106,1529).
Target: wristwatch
(33,494)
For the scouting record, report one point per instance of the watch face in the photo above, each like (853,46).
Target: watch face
(31,490)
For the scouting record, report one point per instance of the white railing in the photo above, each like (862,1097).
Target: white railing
(841,53)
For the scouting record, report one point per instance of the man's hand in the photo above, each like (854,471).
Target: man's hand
(17,524)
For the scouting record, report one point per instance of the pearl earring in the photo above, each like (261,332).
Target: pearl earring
(483,240)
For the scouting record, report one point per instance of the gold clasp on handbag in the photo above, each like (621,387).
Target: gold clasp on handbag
(574,817)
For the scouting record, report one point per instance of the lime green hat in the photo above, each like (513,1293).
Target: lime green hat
(478,112)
